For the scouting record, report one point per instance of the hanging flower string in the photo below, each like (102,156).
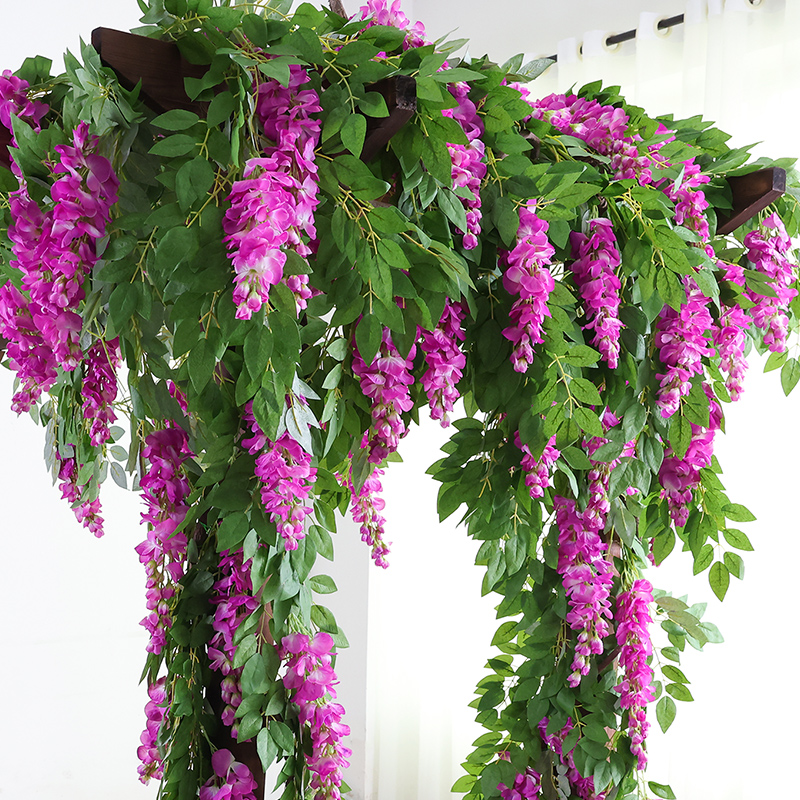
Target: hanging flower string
(596,260)
(445,362)
(164,490)
(633,637)
(767,247)
(272,206)
(680,476)
(587,579)
(310,680)
(526,276)
(85,506)
(287,477)
(233,602)
(152,765)
(386,382)
(366,505)
(682,342)
(468,161)
(538,472)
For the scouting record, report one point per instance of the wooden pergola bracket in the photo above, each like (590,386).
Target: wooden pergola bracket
(752,193)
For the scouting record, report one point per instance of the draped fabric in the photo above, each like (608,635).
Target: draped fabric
(732,61)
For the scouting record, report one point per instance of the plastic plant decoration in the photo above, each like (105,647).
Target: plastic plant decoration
(240,316)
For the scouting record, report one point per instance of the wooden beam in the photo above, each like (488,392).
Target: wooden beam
(158,65)
(400,93)
(752,193)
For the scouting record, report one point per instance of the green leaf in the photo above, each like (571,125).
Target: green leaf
(585,392)
(267,748)
(373,104)
(322,584)
(790,375)
(353,132)
(680,434)
(453,209)
(232,531)
(674,674)
(576,458)
(663,545)
(368,337)
(588,422)
(737,539)
(680,692)
(661,790)
(738,513)
(577,194)
(179,144)
(719,578)
(193,181)
(176,120)
(221,108)
(201,363)
(734,564)
(324,619)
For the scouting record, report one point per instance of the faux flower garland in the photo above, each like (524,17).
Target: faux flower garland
(269,310)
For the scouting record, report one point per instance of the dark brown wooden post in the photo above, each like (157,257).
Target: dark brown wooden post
(752,193)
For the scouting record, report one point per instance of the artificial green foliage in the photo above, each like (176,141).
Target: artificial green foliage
(389,256)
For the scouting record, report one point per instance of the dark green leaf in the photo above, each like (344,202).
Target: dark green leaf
(353,132)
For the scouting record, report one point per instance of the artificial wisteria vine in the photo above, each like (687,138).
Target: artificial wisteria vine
(271,283)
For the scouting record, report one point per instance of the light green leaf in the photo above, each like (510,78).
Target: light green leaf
(719,578)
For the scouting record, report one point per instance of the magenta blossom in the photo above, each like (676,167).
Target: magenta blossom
(526,276)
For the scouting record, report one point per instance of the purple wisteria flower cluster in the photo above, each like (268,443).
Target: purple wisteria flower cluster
(287,477)
(603,128)
(85,507)
(582,787)
(587,578)
(272,206)
(232,780)
(680,476)
(445,361)
(767,247)
(163,553)
(14,99)
(527,277)
(232,596)
(386,382)
(682,339)
(99,390)
(538,471)
(527,785)
(730,334)
(310,680)
(596,259)
(385,14)
(152,765)
(365,508)
(468,165)
(633,637)
(55,249)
